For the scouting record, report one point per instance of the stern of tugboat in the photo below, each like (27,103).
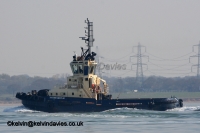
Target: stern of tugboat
(164,104)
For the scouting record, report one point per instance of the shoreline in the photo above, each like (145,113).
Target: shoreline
(3,104)
(191,99)
(10,103)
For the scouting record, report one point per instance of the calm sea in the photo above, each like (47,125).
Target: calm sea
(182,120)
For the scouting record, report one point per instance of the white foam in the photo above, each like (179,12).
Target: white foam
(19,109)
(185,108)
(121,109)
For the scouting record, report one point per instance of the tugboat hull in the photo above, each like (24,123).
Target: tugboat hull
(52,104)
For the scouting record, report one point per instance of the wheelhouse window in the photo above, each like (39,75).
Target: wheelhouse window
(77,68)
(80,68)
(74,68)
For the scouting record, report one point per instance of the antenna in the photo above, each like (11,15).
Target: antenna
(198,55)
(89,35)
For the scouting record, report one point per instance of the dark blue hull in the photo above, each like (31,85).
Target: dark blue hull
(61,104)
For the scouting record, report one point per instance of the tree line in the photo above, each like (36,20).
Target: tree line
(154,84)
(24,83)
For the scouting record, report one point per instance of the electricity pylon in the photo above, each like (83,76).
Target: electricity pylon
(198,55)
(139,72)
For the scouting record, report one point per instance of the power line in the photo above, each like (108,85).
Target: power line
(167,64)
(168,60)
(173,59)
(115,60)
(169,68)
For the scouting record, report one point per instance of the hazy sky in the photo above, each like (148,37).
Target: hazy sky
(38,37)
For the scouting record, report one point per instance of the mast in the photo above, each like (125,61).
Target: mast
(89,35)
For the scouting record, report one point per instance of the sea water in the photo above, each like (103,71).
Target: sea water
(179,120)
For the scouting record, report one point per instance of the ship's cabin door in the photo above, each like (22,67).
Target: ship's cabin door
(99,98)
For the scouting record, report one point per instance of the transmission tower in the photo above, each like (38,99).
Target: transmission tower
(139,55)
(198,55)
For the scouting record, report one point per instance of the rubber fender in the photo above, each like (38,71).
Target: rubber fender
(180,102)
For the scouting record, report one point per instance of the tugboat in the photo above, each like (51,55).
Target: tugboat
(83,92)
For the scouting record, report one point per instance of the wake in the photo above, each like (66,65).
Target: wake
(20,109)
(185,108)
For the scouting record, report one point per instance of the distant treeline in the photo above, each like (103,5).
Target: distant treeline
(154,84)
(24,83)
